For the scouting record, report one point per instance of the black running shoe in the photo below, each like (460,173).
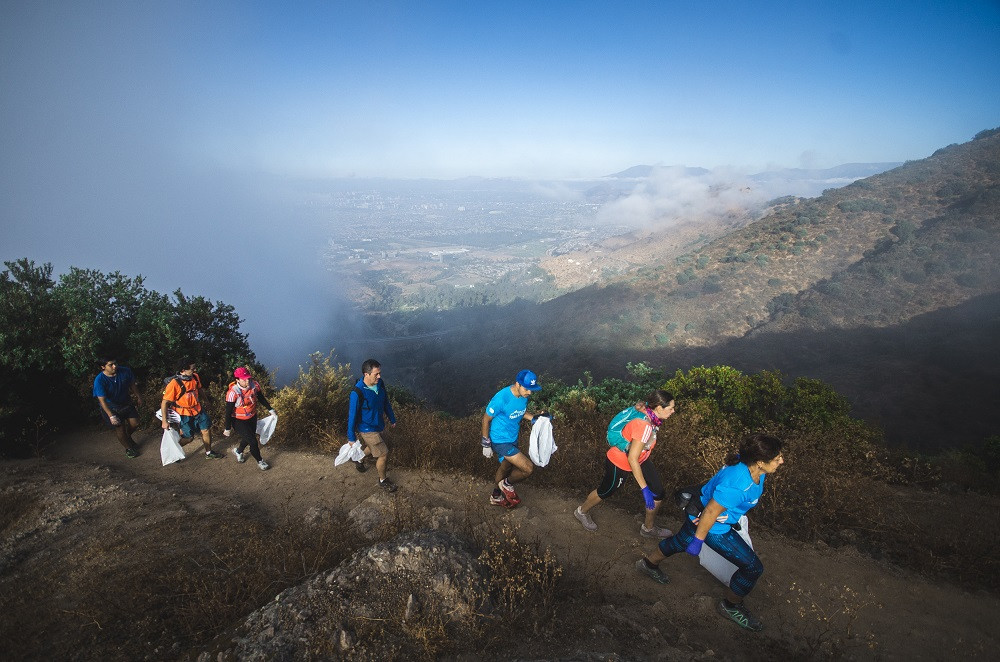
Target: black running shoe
(360,466)
(738,614)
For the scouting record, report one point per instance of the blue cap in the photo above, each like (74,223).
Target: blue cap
(528,380)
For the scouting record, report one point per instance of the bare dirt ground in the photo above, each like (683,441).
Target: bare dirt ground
(816,602)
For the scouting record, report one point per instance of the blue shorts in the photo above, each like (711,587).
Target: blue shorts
(199,421)
(505,450)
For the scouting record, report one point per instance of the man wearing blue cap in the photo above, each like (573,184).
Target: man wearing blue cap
(501,425)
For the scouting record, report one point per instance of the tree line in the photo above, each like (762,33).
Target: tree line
(52,331)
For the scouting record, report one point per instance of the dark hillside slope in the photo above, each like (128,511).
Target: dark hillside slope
(885,287)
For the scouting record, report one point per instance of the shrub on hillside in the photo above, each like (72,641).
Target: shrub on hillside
(48,358)
(313,408)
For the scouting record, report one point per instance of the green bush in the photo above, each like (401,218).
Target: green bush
(51,354)
(313,409)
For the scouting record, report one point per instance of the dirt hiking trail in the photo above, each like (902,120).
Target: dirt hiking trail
(820,601)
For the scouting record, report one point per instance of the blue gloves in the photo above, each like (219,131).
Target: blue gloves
(694,547)
(647,495)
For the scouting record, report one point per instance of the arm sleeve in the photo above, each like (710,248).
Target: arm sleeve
(388,409)
(262,400)
(352,409)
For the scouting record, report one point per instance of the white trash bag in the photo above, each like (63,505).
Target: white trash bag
(265,428)
(716,564)
(541,444)
(352,451)
(170,447)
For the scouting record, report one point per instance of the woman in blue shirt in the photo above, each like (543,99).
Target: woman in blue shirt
(726,497)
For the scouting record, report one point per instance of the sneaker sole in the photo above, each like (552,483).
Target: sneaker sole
(737,618)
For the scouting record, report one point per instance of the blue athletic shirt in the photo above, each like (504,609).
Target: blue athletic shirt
(114,389)
(507,411)
(733,487)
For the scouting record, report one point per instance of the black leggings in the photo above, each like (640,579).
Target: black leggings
(615,478)
(247,431)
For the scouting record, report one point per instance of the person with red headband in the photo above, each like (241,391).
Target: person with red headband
(632,436)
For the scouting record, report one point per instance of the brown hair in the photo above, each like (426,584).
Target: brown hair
(757,447)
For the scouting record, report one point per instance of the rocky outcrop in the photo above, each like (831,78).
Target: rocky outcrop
(389,601)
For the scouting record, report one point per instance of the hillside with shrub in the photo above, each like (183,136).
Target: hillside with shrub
(53,330)
(875,253)
(125,557)
(886,288)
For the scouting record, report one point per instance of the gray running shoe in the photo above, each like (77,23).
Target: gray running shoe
(585,519)
(656,532)
(264,466)
(240,457)
(657,574)
(738,614)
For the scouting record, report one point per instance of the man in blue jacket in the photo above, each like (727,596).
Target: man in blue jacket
(369,407)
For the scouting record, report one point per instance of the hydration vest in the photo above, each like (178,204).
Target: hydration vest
(246,400)
(617,426)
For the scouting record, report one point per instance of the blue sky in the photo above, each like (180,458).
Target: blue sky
(155,137)
(523,89)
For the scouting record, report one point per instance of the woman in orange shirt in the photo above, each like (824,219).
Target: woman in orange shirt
(632,435)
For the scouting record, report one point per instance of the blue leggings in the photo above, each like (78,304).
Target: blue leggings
(730,546)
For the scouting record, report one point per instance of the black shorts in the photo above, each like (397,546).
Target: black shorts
(123,412)
(615,478)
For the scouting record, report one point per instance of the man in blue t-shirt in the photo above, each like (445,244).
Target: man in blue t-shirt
(501,425)
(113,387)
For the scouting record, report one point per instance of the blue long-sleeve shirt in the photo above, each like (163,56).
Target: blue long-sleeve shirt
(375,408)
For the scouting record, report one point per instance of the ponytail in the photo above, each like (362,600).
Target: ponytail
(757,447)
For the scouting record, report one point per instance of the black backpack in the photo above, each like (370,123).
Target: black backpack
(687,499)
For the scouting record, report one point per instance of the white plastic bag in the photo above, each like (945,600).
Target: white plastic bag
(541,444)
(170,447)
(352,451)
(265,427)
(718,566)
